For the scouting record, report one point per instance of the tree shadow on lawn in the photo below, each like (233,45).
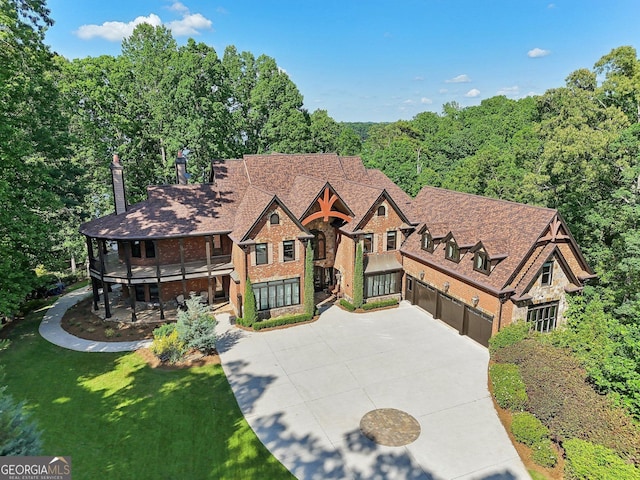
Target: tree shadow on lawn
(118,418)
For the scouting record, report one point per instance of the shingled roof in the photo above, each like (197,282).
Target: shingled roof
(508,231)
(239,192)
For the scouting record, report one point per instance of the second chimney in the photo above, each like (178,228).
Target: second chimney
(117,181)
(181,169)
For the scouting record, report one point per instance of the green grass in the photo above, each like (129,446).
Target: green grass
(120,419)
(536,475)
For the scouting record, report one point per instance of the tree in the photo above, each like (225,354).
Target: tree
(33,145)
(324,132)
(348,142)
(621,86)
(309,290)
(358,278)
(196,326)
(19,436)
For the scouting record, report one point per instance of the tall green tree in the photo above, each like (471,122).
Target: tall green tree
(32,150)
(309,289)
(358,278)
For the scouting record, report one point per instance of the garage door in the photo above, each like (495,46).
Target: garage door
(452,311)
(479,326)
(426,297)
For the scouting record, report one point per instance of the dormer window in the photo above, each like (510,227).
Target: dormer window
(426,242)
(481,262)
(382,211)
(274,219)
(546,277)
(452,252)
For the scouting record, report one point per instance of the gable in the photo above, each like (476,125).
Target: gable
(287,226)
(327,204)
(393,215)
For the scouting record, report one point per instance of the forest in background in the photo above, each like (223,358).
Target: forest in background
(575,148)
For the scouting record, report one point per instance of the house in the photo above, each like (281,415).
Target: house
(476,263)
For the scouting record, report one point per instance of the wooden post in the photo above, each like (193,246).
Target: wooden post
(156,247)
(96,293)
(182,269)
(209,283)
(132,293)
(105,289)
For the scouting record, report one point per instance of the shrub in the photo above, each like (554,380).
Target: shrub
(510,335)
(164,330)
(562,399)
(283,320)
(544,454)
(109,332)
(250,314)
(347,304)
(586,461)
(358,278)
(527,429)
(196,326)
(168,348)
(508,387)
(309,288)
(18,435)
(380,304)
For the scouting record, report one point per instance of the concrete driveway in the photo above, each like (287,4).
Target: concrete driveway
(305,389)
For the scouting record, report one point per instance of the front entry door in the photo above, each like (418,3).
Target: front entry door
(322,278)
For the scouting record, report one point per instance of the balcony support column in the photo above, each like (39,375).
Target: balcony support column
(132,292)
(182,268)
(156,247)
(94,282)
(209,283)
(105,288)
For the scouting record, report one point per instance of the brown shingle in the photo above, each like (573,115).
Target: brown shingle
(511,227)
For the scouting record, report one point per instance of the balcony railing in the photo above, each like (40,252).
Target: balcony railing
(115,271)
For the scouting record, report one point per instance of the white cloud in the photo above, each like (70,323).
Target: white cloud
(443,90)
(509,91)
(408,102)
(474,92)
(538,52)
(551,5)
(115,31)
(222,10)
(426,101)
(418,78)
(179,7)
(459,79)
(189,24)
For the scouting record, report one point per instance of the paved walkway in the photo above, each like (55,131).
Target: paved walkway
(305,389)
(51,330)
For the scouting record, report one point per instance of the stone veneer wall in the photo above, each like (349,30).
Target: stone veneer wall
(550,293)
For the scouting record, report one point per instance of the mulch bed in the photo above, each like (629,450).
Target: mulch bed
(80,321)
(195,359)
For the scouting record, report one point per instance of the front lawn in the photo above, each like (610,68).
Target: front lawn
(119,418)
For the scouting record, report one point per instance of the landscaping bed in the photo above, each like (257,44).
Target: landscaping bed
(81,322)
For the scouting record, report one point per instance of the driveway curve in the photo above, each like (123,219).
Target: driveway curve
(305,389)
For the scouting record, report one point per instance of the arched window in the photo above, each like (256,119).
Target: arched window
(274,219)
(382,211)
(318,243)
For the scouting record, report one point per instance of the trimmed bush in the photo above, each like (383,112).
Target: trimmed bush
(309,288)
(544,454)
(380,304)
(510,335)
(586,461)
(347,304)
(168,348)
(283,320)
(528,429)
(508,387)
(358,278)
(250,314)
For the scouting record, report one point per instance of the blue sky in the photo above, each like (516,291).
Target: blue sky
(375,60)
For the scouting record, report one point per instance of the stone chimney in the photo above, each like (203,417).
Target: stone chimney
(181,169)
(117,180)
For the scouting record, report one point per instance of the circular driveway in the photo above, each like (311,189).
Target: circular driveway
(305,389)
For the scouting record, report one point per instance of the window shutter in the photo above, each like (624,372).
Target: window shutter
(252,254)
(384,242)
(296,250)
(281,252)
(269,253)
